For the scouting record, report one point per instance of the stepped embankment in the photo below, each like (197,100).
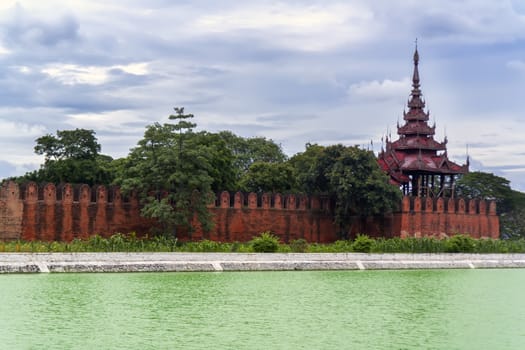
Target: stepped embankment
(216,262)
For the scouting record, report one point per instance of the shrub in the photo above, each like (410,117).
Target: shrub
(488,245)
(117,243)
(97,243)
(384,245)
(515,246)
(207,245)
(460,244)
(340,246)
(362,244)
(235,246)
(284,248)
(299,245)
(164,244)
(265,243)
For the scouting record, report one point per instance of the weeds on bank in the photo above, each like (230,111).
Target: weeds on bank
(266,242)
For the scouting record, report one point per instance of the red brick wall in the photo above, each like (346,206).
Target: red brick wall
(290,217)
(11,211)
(66,212)
(446,217)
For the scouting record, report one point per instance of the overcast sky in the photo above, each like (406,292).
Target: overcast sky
(294,71)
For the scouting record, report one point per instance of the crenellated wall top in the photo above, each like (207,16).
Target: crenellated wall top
(85,195)
(68,193)
(448,205)
(9,190)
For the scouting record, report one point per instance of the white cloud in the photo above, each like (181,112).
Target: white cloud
(72,74)
(515,170)
(495,143)
(114,121)
(4,50)
(17,141)
(134,68)
(13,130)
(310,28)
(380,90)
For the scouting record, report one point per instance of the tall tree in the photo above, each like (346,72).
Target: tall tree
(71,156)
(68,144)
(351,176)
(311,169)
(510,203)
(481,185)
(247,151)
(222,161)
(174,170)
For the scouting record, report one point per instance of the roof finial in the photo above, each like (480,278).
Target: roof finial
(416,55)
(415,77)
(468,157)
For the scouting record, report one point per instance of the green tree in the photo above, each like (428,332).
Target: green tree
(481,185)
(512,224)
(361,189)
(268,177)
(222,160)
(71,156)
(68,144)
(247,151)
(352,177)
(174,171)
(310,169)
(510,203)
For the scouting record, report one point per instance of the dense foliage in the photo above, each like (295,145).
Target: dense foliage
(510,203)
(265,243)
(351,176)
(480,185)
(269,243)
(71,156)
(247,151)
(268,177)
(172,172)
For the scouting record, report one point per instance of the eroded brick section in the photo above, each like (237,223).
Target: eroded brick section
(11,212)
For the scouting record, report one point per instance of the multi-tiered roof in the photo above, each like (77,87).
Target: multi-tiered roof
(413,160)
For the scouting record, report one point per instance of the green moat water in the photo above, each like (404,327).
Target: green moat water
(438,309)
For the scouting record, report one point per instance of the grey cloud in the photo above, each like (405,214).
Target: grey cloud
(481,145)
(248,129)
(333,135)
(83,99)
(439,25)
(8,169)
(72,103)
(222,49)
(118,78)
(285,118)
(38,90)
(509,172)
(24,30)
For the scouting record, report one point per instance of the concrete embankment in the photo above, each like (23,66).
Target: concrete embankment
(184,262)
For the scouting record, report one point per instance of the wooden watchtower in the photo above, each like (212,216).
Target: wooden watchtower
(415,161)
